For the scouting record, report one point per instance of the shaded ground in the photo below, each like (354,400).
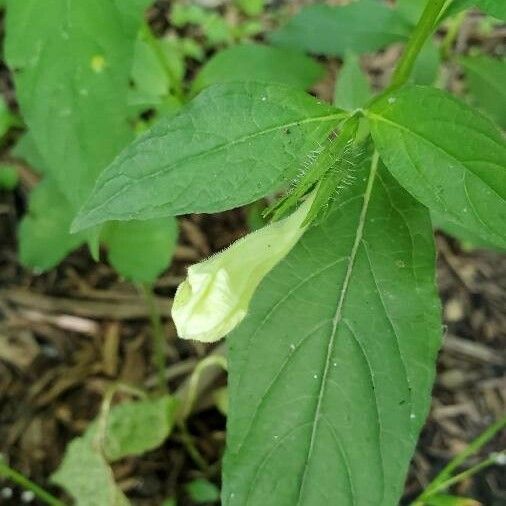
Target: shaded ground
(74,331)
(68,334)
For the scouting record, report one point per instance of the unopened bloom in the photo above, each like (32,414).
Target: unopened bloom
(216,294)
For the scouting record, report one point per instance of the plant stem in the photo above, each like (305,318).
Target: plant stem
(454,26)
(445,475)
(420,34)
(158,356)
(492,459)
(209,361)
(192,450)
(15,476)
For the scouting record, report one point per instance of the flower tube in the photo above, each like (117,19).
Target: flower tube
(215,296)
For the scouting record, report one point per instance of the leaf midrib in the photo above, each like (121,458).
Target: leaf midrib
(337,317)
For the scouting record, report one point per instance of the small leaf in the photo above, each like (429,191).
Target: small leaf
(448,156)
(87,477)
(231,145)
(352,86)
(203,491)
(149,77)
(134,428)
(496,8)
(331,372)
(360,27)
(426,67)
(44,237)
(6,118)
(486,78)
(141,250)
(256,62)
(411,9)
(251,7)
(8,177)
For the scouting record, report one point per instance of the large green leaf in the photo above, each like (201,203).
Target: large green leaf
(256,62)
(141,250)
(331,372)
(231,145)
(363,26)
(448,156)
(71,63)
(486,79)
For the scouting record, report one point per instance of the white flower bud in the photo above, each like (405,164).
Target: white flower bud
(215,296)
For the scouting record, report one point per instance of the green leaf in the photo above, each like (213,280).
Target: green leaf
(149,77)
(468,239)
(71,62)
(231,145)
(44,238)
(411,10)
(251,7)
(496,8)
(27,151)
(87,477)
(141,250)
(360,27)
(8,177)
(330,374)
(6,118)
(352,87)
(203,491)
(486,79)
(134,428)
(426,67)
(131,428)
(445,154)
(256,62)
(214,27)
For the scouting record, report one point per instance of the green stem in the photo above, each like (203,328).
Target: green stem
(492,459)
(454,26)
(15,476)
(459,459)
(422,31)
(158,356)
(196,456)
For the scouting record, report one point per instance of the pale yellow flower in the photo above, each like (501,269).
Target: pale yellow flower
(216,294)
